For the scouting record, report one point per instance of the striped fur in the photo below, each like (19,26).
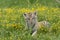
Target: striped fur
(31,22)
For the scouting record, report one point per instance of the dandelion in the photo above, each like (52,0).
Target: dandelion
(22,10)
(9,10)
(7,25)
(13,24)
(42,8)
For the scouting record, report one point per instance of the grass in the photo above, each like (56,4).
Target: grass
(12,22)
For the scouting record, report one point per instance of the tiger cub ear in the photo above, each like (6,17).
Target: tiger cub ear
(35,13)
(24,14)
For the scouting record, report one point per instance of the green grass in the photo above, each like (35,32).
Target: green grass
(12,22)
(25,3)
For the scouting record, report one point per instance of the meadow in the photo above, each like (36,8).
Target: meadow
(12,22)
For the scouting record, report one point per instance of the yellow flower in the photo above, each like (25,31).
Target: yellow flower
(7,25)
(42,8)
(9,10)
(13,24)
